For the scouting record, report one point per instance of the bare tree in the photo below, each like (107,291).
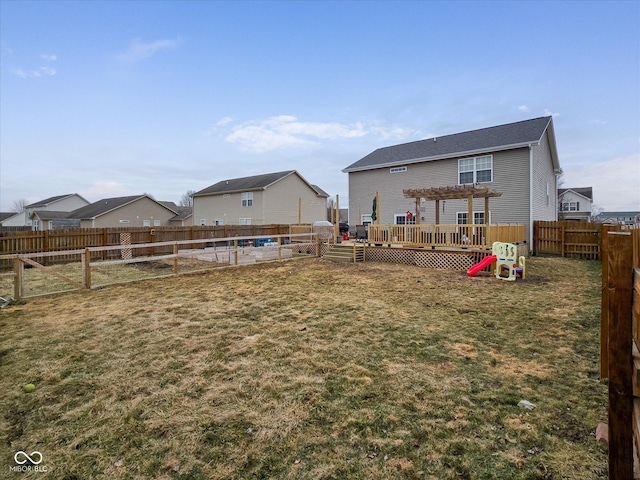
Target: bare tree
(19,206)
(187,199)
(595,211)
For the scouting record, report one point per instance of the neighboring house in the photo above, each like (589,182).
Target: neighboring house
(5,215)
(53,220)
(624,218)
(60,203)
(182,218)
(518,160)
(271,198)
(575,203)
(133,211)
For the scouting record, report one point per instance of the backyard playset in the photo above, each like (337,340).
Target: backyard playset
(504,262)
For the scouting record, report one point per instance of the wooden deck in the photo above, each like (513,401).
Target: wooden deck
(480,236)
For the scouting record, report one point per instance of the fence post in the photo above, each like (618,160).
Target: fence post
(86,268)
(604,305)
(175,258)
(18,285)
(235,252)
(619,285)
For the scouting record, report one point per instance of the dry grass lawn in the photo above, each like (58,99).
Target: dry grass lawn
(310,370)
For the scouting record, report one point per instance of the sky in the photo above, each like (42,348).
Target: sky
(115,98)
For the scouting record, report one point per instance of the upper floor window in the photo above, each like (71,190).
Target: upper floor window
(570,206)
(247,199)
(475,170)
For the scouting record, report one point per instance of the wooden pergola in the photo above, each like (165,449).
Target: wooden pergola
(452,193)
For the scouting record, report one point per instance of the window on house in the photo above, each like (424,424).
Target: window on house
(156,223)
(247,199)
(203,222)
(218,222)
(404,219)
(570,207)
(462,218)
(245,221)
(146,223)
(475,170)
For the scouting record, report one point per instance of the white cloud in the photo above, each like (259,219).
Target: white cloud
(523,108)
(140,51)
(615,182)
(548,113)
(224,121)
(286,131)
(42,71)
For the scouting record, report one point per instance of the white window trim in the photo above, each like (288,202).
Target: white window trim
(396,216)
(247,199)
(475,169)
(398,169)
(245,221)
(146,223)
(475,212)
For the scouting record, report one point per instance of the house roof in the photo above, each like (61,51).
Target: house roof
(5,215)
(255,182)
(47,201)
(619,214)
(183,213)
(106,205)
(50,214)
(586,192)
(484,140)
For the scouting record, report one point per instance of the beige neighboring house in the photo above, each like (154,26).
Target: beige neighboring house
(63,204)
(271,198)
(575,203)
(518,160)
(133,211)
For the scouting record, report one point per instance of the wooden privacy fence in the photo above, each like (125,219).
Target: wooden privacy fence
(620,338)
(80,238)
(572,239)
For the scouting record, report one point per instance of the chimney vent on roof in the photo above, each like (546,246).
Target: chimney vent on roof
(434,139)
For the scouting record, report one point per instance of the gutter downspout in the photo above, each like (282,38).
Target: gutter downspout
(530,198)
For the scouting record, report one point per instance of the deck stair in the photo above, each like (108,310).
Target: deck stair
(346,253)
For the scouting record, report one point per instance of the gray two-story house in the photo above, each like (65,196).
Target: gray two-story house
(518,160)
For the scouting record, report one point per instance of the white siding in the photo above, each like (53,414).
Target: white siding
(544,175)
(281,202)
(510,177)
(278,204)
(228,209)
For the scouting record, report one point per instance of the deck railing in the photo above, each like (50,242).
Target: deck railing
(446,235)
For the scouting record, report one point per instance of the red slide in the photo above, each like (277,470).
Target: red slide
(486,261)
